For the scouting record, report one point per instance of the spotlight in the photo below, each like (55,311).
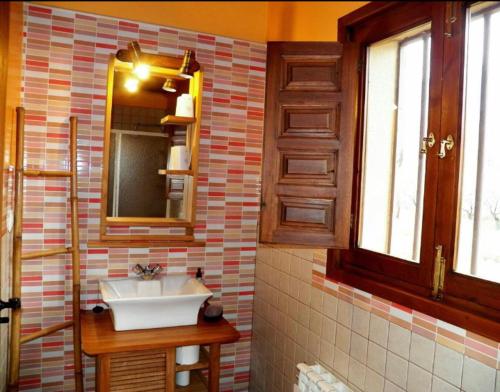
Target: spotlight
(186,62)
(170,86)
(132,84)
(140,70)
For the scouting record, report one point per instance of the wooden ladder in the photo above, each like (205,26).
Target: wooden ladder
(18,256)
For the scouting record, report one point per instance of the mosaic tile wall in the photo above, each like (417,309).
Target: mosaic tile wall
(372,344)
(65,65)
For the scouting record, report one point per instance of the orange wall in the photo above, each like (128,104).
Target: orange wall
(307,20)
(237,19)
(259,21)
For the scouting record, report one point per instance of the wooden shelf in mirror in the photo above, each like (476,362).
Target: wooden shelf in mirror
(164,172)
(177,120)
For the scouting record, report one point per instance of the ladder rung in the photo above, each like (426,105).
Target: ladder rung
(46,173)
(43,253)
(45,331)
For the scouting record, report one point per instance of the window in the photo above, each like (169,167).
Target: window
(397,81)
(426,196)
(479,212)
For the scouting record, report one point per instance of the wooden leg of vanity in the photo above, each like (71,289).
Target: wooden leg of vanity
(170,369)
(214,369)
(102,373)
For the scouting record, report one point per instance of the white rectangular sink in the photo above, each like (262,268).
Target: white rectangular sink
(166,301)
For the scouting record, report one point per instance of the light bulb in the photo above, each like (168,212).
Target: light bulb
(142,71)
(169,86)
(132,84)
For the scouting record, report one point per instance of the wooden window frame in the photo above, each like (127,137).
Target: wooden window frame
(468,302)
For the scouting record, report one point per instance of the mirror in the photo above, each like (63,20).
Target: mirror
(151,144)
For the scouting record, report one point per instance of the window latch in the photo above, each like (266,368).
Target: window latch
(439,271)
(428,141)
(446,145)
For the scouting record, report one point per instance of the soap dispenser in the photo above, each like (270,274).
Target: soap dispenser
(199,275)
(199,278)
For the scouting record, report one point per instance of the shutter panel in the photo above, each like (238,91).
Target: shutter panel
(308,146)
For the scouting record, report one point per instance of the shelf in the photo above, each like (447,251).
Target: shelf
(196,384)
(99,336)
(164,172)
(177,120)
(203,363)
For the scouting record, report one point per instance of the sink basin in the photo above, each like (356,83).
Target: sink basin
(166,301)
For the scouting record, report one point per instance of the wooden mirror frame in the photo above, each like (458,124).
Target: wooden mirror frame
(192,139)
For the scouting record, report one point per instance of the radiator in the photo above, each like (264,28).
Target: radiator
(316,378)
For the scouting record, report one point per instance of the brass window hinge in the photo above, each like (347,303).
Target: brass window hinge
(439,272)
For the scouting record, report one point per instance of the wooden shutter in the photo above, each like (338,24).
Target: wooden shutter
(308,146)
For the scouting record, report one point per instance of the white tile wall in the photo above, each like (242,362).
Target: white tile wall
(343,338)
(419,380)
(422,352)
(448,365)
(377,357)
(396,369)
(379,330)
(477,377)
(359,347)
(439,385)
(399,340)
(344,314)
(374,382)
(357,373)
(360,321)
(297,322)
(341,362)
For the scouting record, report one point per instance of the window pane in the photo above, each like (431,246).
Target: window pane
(479,215)
(395,122)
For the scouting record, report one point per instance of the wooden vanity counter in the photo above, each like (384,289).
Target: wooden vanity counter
(143,360)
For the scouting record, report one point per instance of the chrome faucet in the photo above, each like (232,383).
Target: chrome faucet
(148,272)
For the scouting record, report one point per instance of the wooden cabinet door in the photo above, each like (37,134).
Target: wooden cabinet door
(308,146)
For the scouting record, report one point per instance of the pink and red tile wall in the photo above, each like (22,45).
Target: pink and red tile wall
(65,63)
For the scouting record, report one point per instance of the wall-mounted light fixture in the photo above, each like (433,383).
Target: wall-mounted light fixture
(184,66)
(141,70)
(184,71)
(170,86)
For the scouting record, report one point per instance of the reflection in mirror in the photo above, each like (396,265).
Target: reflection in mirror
(140,147)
